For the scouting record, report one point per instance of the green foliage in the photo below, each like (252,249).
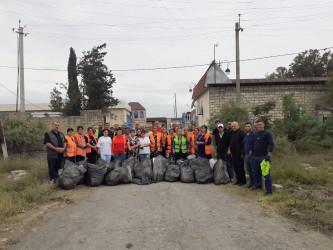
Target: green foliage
(280,72)
(261,112)
(329,96)
(283,148)
(97,80)
(57,102)
(230,112)
(22,135)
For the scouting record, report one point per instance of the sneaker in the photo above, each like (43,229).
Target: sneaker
(267,194)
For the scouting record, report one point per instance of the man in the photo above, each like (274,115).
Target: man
(180,146)
(127,132)
(235,151)
(229,123)
(216,130)
(100,128)
(187,135)
(106,126)
(147,131)
(55,145)
(116,126)
(156,142)
(136,128)
(181,127)
(189,126)
(94,129)
(262,148)
(222,144)
(247,143)
(159,129)
(70,150)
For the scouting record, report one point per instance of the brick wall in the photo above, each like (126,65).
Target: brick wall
(305,94)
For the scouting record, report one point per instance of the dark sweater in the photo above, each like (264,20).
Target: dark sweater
(247,143)
(262,143)
(236,142)
(222,143)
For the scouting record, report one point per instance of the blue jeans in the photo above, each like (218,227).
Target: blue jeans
(255,163)
(54,165)
(143,156)
(250,170)
(106,158)
(120,156)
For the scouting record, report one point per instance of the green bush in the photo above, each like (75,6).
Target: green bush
(21,135)
(283,148)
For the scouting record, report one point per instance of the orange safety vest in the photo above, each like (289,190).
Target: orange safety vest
(79,151)
(88,150)
(164,138)
(192,144)
(71,147)
(208,148)
(168,142)
(153,143)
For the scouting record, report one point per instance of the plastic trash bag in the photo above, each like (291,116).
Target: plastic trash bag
(95,174)
(143,172)
(172,172)
(159,168)
(71,175)
(221,175)
(186,172)
(203,173)
(119,175)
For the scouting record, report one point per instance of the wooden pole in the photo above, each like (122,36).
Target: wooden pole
(3,142)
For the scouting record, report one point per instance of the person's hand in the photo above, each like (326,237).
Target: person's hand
(269,154)
(250,152)
(229,153)
(174,151)
(268,158)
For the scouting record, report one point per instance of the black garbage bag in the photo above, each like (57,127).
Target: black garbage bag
(159,168)
(172,172)
(186,172)
(108,165)
(119,175)
(95,175)
(221,175)
(143,172)
(203,173)
(71,175)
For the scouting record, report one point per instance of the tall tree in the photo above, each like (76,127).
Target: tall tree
(57,102)
(73,104)
(97,80)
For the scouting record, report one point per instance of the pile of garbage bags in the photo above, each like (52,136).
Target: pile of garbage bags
(148,171)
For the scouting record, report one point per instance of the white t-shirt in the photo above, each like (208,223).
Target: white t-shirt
(144,141)
(104,143)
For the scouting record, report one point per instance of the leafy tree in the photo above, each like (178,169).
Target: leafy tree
(280,72)
(73,104)
(262,112)
(57,102)
(97,80)
(329,96)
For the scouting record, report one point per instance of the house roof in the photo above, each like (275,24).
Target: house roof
(136,106)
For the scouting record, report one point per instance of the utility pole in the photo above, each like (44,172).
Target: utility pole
(237,29)
(21,65)
(175,107)
(215,45)
(3,142)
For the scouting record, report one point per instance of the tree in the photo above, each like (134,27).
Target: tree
(57,102)
(97,80)
(73,104)
(329,96)
(310,63)
(262,112)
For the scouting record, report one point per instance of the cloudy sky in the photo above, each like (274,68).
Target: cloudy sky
(150,34)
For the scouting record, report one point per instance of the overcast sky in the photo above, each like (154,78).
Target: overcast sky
(155,33)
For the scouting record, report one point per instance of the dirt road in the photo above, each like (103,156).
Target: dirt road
(167,216)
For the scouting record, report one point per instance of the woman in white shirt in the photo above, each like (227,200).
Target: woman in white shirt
(104,146)
(144,146)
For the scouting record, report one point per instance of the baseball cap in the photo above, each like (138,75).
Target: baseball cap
(220,125)
(69,129)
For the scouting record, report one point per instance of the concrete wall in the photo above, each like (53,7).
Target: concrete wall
(305,94)
(203,104)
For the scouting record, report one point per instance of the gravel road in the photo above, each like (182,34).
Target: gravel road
(167,216)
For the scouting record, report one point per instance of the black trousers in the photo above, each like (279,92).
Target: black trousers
(180,155)
(92,157)
(238,165)
(72,159)
(79,158)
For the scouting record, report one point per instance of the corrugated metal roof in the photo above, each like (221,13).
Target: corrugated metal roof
(28,107)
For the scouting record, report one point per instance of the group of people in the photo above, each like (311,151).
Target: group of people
(235,146)
(232,144)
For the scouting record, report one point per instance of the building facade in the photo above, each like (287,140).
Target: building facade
(138,113)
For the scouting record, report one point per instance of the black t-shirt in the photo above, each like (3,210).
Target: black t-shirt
(215,132)
(100,133)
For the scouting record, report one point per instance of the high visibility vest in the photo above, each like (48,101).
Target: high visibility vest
(88,150)
(168,144)
(153,143)
(125,143)
(70,148)
(183,146)
(164,140)
(79,151)
(193,146)
(208,148)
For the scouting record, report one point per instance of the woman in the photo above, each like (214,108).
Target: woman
(91,150)
(204,142)
(144,143)
(69,153)
(133,144)
(193,138)
(119,145)
(80,145)
(104,146)
(169,144)
(138,133)
(165,136)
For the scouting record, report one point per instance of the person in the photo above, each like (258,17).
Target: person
(216,130)
(112,130)
(170,145)
(133,144)
(80,145)
(116,126)
(127,132)
(136,128)
(139,133)
(159,129)
(156,142)
(142,127)
(236,153)
(69,152)
(222,144)
(91,142)
(189,126)
(94,129)
(144,143)
(147,131)
(229,124)
(100,128)
(181,127)
(247,143)
(180,146)
(110,133)
(187,136)
(262,148)
(204,143)
(176,129)
(119,145)
(165,135)
(55,147)
(192,141)
(104,145)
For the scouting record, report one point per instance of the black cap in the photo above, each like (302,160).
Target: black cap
(69,129)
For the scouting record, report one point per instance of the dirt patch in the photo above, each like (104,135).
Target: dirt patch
(313,194)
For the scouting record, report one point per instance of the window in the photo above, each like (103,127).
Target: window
(131,115)
(141,114)
(136,114)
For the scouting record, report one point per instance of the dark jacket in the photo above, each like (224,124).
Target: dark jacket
(236,142)
(222,143)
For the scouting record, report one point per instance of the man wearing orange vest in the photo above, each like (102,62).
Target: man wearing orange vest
(69,153)
(81,145)
(91,150)
(156,142)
